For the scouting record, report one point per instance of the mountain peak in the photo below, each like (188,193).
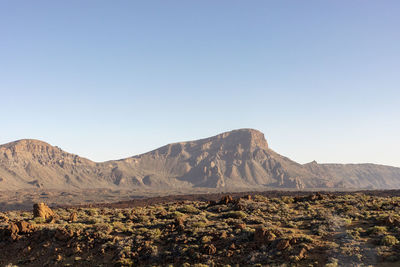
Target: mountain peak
(249,138)
(26,144)
(27,148)
(235,159)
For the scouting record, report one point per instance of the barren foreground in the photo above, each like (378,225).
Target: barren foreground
(352,229)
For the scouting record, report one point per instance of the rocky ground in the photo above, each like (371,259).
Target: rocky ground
(353,229)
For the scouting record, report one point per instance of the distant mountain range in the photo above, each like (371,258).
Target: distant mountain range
(240,159)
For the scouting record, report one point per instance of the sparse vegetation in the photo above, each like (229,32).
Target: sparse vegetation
(389,240)
(320,230)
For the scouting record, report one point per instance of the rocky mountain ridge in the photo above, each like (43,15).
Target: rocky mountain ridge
(228,161)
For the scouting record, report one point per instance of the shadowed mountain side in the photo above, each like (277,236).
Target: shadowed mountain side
(236,159)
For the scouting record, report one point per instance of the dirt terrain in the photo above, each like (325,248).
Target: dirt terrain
(24,199)
(252,229)
(145,201)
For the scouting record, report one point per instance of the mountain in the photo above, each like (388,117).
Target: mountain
(32,163)
(240,159)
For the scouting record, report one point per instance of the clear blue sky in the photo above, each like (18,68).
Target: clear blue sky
(111,79)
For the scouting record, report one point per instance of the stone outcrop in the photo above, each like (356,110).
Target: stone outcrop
(283,244)
(73,217)
(311,198)
(209,249)
(226,200)
(264,235)
(19,228)
(43,211)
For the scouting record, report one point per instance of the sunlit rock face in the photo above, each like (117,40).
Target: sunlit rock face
(239,159)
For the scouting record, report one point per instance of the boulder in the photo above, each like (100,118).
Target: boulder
(209,249)
(302,253)
(13,228)
(241,226)
(180,224)
(389,221)
(24,227)
(43,211)
(223,235)
(63,234)
(211,203)
(20,227)
(311,198)
(226,200)
(247,197)
(283,244)
(73,217)
(263,235)
(4,218)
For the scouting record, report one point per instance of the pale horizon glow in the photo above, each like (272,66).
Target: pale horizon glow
(112,80)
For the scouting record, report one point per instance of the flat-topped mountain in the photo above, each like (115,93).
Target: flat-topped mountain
(239,159)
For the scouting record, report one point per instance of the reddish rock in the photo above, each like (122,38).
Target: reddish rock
(4,218)
(59,257)
(25,227)
(21,227)
(26,250)
(241,226)
(224,235)
(43,211)
(73,217)
(302,253)
(229,253)
(247,197)
(180,224)
(239,206)
(226,200)
(13,228)
(310,198)
(390,221)
(211,203)
(263,235)
(63,235)
(209,249)
(283,244)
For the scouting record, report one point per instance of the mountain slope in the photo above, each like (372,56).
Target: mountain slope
(33,163)
(369,176)
(240,159)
